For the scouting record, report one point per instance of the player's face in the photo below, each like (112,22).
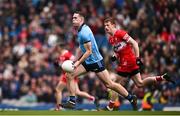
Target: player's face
(76,20)
(108,27)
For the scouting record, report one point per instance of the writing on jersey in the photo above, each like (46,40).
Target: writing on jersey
(121,47)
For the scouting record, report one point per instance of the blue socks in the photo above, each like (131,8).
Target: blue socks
(129,97)
(72,99)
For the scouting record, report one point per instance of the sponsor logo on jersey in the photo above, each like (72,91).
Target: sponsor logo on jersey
(119,46)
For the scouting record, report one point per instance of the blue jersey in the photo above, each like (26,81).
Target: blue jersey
(85,35)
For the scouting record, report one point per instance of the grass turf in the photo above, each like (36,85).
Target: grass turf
(88,113)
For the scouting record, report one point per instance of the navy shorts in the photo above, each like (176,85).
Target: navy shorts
(95,67)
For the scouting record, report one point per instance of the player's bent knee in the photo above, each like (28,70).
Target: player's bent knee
(78,92)
(57,89)
(109,85)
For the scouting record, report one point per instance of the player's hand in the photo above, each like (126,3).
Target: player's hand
(76,64)
(113,58)
(139,62)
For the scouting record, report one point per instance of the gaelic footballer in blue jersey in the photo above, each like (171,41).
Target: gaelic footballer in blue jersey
(90,60)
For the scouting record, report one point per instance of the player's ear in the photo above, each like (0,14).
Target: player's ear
(82,19)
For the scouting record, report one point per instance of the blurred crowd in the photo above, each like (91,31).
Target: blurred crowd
(30,29)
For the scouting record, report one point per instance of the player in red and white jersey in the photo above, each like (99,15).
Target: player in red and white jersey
(126,51)
(64,54)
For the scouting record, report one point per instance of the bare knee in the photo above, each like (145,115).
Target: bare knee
(57,89)
(78,92)
(109,84)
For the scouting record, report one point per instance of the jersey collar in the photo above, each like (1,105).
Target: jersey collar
(81,27)
(114,33)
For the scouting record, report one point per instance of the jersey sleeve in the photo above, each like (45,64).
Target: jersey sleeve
(85,35)
(121,34)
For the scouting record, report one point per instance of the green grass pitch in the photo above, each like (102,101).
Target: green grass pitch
(89,113)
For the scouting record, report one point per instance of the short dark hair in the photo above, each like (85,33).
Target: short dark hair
(80,13)
(110,19)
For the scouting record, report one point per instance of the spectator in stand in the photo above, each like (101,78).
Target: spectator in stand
(26,25)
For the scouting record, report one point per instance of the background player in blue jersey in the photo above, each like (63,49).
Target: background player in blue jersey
(91,60)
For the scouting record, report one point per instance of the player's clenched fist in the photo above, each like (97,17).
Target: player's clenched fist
(113,58)
(139,62)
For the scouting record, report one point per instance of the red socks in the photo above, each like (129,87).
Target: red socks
(159,78)
(111,104)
